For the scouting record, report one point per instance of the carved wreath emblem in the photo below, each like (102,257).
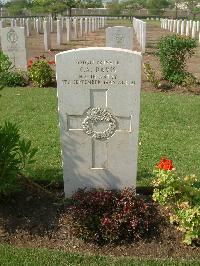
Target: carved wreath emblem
(12,36)
(98,115)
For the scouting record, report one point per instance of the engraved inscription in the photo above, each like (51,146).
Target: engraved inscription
(100,72)
(119,39)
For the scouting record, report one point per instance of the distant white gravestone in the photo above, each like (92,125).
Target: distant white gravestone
(119,37)
(99,103)
(13,44)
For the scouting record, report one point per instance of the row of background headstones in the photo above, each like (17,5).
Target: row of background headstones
(46,26)
(38,23)
(18,52)
(140,30)
(95,23)
(183,27)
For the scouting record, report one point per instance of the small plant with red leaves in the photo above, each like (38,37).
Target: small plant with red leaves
(105,216)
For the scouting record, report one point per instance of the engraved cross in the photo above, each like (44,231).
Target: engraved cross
(98,98)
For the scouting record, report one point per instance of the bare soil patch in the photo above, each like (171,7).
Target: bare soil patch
(31,218)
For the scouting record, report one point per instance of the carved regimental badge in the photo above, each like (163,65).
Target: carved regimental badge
(119,38)
(98,115)
(12,37)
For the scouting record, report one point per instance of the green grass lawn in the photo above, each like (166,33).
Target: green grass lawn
(11,256)
(169,126)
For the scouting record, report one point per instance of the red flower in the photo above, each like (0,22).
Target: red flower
(30,62)
(165,164)
(106,221)
(52,62)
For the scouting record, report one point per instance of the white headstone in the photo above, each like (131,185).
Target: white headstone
(86,25)
(174,25)
(12,23)
(62,23)
(187,32)
(99,102)
(68,26)
(13,44)
(75,25)
(93,24)
(81,27)
(59,33)
(51,24)
(194,29)
(34,23)
(90,25)
(37,26)
(47,37)
(182,27)
(40,24)
(15,23)
(21,22)
(198,26)
(1,26)
(178,27)
(143,39)
(171,25)
(27,27)
(190,24)
(119,37)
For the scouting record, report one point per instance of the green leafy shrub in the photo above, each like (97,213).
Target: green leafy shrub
(5,67)
(14,79)
(5,63)
(173,51)
(182,197)
(9,77)
(41,73)
(104,216)
(15,154)
(151,75)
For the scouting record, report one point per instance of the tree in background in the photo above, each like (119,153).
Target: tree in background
(90,4)
(156,7)
(114,9)
(17,7)
(193,7)
(48,6)
(133,5)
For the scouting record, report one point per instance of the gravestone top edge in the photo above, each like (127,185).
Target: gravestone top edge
(119,27)
(111,49)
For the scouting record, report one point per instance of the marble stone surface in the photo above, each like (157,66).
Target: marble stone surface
(99,106)
(13,44)
(47,36)
(119,37)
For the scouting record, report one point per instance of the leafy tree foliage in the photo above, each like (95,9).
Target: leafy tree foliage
(114,9)
(91,3)
(52,6)
(156,7)
(194,7)
(134,5)
(17,7)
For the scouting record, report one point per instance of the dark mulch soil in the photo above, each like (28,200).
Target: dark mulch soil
(32,218)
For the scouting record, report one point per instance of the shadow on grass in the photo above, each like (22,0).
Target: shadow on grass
(47,175)
(144,176)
